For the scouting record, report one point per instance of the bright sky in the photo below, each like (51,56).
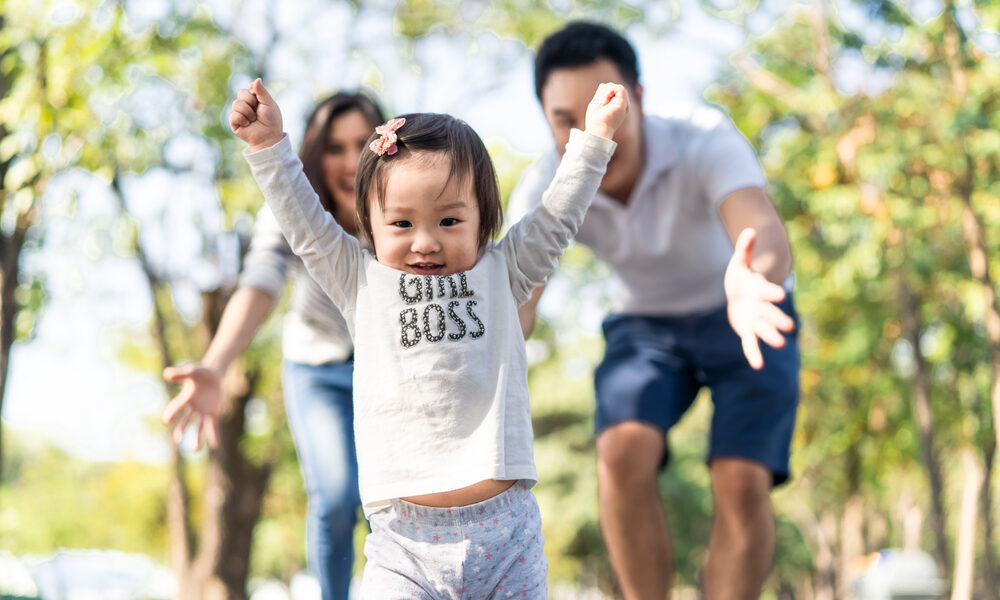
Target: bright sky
(67,385)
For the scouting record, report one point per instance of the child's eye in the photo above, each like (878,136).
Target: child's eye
(449,221)
(401,224)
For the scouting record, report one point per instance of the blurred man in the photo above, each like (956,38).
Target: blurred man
(698,256)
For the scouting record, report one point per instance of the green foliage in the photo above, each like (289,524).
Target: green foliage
(868,172)
(868,175)
(50,500)
(562,408)
(143,88)
(526,20)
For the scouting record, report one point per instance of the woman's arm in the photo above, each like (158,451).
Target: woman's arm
(201,382)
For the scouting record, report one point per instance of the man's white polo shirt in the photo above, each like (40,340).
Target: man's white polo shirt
(667,247)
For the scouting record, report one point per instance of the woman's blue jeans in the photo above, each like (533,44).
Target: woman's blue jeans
(321,417)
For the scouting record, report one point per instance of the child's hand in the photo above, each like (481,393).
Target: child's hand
(606,112)
(255,117)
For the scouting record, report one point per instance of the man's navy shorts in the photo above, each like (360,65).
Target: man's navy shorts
(654,366)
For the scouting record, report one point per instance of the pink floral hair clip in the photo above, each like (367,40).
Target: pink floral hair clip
(386,144)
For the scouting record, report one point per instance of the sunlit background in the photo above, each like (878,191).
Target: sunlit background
(876,122)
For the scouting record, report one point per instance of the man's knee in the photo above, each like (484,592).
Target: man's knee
(629,454)
(742,490)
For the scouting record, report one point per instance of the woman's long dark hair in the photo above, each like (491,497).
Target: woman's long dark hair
(317,135)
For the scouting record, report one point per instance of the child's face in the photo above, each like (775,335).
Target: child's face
(429,224)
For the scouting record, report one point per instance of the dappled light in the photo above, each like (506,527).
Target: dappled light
(127,211)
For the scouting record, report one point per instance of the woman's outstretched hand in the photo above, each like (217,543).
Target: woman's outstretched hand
(200,396)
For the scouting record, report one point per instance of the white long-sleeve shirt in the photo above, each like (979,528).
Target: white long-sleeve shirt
(314,332)
(440,374)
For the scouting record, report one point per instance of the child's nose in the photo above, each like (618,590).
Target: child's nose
(425,243)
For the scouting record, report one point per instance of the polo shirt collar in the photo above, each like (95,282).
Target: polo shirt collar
(662,150)
(662,153)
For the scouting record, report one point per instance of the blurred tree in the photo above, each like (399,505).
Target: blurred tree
(876,123)
(877,128)
(187,56)
(149,86)
(41,118)
(121,506)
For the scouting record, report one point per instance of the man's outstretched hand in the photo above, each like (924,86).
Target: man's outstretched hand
(750,303)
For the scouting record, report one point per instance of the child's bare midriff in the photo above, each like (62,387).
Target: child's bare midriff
(477,492)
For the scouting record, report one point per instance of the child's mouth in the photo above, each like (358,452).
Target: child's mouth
(427,268)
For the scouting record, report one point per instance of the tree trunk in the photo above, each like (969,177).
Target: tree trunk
(924,421)
(911,520)
(852,544)
(234,488)
(805,591)
(233,496)
(819,536)
(852,537)
(989,588)
(178,496)
(972,231)
(10,254)
(218,568)
(979,266)
(178,508)
(965,544)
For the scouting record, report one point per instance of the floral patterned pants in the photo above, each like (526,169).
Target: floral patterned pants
(488,550)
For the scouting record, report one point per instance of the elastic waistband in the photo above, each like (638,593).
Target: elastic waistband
(514,496)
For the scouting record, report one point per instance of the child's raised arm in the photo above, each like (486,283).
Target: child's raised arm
(534,244)
(255,117)
(607,110)
(330,254)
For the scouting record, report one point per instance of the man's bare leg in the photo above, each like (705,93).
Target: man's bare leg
(741,545)
(632,521)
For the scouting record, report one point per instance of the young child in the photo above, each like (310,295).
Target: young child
(442,421)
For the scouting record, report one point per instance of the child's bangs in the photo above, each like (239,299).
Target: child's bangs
(427,136)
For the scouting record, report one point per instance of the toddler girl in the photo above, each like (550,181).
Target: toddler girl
(442,421)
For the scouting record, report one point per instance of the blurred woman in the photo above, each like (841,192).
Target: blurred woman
(318,352)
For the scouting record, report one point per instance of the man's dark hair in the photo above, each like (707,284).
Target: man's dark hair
(581,43)
(432,133)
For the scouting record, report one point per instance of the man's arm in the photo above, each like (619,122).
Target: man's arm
(526,313)
(761,261)
(750,208)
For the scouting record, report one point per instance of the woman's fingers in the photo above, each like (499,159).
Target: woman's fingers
(182,425)
(178,402)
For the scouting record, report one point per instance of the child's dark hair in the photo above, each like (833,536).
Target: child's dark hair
(581,43)
(438,133)
(317,135)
